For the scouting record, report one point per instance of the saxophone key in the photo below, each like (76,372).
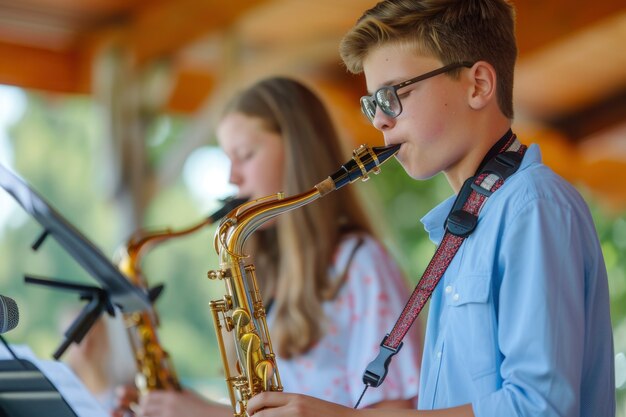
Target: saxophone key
(250,342)
(265,371)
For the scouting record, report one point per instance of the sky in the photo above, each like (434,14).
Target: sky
(12,106)
(206,173)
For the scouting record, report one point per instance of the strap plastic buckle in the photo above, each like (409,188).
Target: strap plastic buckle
(504,164)
(460,222)
(376,371)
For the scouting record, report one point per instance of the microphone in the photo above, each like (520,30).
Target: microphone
(9,314)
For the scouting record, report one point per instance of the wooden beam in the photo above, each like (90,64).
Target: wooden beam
(590,120)
(29,67)
(190,90)
(296,22)
(540,22)
(573,73)
(162,28)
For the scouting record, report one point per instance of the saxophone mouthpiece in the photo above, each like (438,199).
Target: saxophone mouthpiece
(230,203)
(364,160)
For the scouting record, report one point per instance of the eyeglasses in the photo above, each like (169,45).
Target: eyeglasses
(387,97)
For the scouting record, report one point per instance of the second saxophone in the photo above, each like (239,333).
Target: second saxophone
(241,311)
(154,367)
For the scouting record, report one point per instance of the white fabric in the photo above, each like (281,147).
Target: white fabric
(356,321)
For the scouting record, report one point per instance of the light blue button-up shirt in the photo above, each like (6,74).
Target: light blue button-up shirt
(519,325)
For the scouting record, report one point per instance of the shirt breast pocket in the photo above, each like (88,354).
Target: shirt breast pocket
(472,325)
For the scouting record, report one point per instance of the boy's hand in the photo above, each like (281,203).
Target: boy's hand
(278,404)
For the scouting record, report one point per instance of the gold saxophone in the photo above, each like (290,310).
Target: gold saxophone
(154,367)
(241,311)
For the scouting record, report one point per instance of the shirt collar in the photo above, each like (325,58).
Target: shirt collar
(434,220)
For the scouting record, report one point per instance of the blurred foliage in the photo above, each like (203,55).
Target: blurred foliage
(58,150)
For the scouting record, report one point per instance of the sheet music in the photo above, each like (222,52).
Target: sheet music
(61,376)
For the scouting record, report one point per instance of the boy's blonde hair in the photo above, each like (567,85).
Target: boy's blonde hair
(450,30)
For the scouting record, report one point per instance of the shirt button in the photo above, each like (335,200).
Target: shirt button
(456,297)
(438,355)
(448,289)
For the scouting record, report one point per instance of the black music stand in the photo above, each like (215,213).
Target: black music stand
(26,392)
(116,289)
(98,301)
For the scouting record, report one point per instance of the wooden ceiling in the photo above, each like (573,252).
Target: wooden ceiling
(570,87)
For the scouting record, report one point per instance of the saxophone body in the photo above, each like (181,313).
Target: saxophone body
(241,311)
(155,370)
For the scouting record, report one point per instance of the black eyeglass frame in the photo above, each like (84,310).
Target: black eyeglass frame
(373,99)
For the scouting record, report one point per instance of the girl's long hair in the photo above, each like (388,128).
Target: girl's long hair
(293,258)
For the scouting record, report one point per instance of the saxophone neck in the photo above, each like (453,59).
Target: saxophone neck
(242,222)
(142,240)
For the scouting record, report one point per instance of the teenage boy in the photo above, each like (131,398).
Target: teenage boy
(519,323)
